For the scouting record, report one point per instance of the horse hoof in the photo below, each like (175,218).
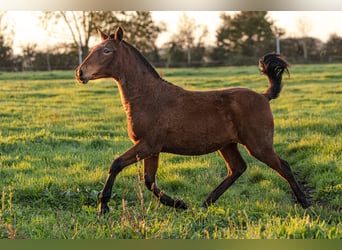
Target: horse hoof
(205,204)
(305,204)
(180,204)
(104,209)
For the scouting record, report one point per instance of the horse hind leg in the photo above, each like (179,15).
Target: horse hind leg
(282,167)
(236,166)
(150,169)
(300,196)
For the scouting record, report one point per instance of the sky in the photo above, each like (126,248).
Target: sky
(319,24)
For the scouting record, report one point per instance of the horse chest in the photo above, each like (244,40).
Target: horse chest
(137,124)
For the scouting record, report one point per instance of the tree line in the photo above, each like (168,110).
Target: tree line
(240,40)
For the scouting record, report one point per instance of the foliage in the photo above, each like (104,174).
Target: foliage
(5,53)
(241,40)
(248,33)
(141,31)
(187,45)
(82,25)
(5,43)
(139,26)
(294,48)
(58,139)
(333,47)
(62,57)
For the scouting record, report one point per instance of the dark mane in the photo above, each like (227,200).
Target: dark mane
(145,62)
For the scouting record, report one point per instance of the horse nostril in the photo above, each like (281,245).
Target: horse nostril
(80,76)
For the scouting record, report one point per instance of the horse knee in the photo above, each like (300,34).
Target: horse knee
(115,167)
(243,167)
(235,163)
(239,166)
(149,183)
(287,172)
(285,163)
(239,169)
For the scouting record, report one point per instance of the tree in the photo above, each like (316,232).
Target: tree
(5,54)
(304,26)
(249,33)
(5,45)
(82,25)
(62,56)
(29,56)
(293,49)
(188,41)
(333,47)
(186,35)
(175,55)
(223,36)
(142,32)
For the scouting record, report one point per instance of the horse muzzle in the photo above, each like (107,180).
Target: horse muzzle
(80,76)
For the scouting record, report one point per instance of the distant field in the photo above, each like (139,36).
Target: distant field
(58,138)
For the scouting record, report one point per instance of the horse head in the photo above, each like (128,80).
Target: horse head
(101,63)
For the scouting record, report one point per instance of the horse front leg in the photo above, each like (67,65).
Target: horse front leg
(150,170)
(138,152)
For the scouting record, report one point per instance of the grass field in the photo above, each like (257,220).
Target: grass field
(58,138)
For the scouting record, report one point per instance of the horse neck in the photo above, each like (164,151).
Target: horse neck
(137,80)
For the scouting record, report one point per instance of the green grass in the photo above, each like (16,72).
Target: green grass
(58,138)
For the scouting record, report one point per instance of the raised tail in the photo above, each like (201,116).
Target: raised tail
(273,66)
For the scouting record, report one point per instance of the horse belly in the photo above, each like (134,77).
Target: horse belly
(191,149)
(199,137)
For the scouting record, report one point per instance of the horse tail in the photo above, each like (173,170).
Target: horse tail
(273,66)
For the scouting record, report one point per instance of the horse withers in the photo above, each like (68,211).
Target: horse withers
(163,117)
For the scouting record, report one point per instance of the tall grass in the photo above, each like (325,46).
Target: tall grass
(58,138)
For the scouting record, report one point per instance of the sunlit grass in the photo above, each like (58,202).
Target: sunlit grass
(58,138)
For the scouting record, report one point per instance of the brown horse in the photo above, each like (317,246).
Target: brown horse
(163,117)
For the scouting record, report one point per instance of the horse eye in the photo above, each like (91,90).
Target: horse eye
(106,51)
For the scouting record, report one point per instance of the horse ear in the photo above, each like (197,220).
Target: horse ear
(118,34)
(102,35)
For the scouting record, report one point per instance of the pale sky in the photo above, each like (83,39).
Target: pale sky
(320,24)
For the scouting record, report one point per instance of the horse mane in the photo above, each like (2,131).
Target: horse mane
(148,65)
